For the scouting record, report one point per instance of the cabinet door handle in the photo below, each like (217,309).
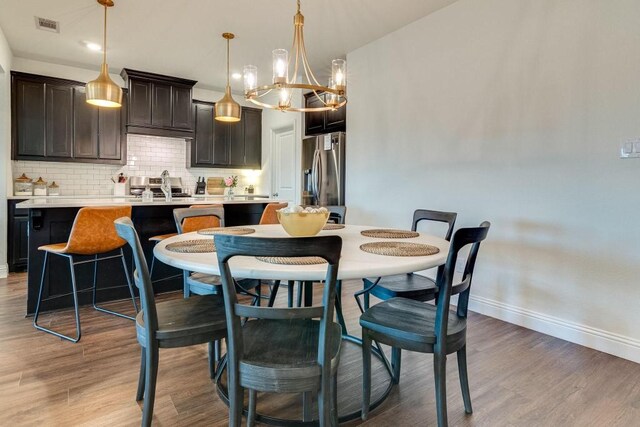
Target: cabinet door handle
(275,194)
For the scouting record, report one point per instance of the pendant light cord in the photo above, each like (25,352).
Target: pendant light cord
(104,42)
(228,84)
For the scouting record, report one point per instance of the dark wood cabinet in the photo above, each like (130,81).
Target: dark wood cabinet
(17,237)
(226,145)
(29,131)
(159,105)
(51,121)
(139,103)
(316,123)
(85,127)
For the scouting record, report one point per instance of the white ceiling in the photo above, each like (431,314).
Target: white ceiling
(182,37)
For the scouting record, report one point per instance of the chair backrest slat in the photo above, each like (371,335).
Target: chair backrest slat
(438,216)
(182,215)
(229,246)
(125,229)
(461,238)
(275,313)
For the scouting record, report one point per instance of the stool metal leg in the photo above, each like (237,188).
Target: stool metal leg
(75,302)
(95,282)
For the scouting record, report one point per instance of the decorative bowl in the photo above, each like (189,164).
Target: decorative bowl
(302,224)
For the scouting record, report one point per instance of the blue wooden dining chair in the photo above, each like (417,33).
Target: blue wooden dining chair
(282,350)
(425,328)
(168,324)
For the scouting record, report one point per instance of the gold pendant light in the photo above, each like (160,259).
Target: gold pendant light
(103,91)
(227,109)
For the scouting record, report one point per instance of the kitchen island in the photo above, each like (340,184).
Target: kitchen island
(51,219)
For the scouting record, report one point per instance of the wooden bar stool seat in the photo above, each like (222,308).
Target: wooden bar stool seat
(92,234)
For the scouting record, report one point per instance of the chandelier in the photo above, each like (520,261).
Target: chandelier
(284,86)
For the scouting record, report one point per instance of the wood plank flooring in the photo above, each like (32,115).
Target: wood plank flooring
(518,377)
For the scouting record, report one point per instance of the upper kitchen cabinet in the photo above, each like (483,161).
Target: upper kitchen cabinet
(159,105)
(316,123)
(226,145)
(52,121)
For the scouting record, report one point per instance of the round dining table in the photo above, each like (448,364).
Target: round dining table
(355,263)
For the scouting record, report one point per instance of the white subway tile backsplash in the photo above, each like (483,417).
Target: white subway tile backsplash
(146,156)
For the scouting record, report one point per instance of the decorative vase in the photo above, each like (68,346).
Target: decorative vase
(230,192)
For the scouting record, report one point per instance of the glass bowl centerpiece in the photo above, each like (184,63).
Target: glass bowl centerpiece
(303,222)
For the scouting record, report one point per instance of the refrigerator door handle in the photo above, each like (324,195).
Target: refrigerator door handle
(314,174)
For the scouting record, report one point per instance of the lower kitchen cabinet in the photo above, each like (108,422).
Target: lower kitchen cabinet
(17,237)
(226,145)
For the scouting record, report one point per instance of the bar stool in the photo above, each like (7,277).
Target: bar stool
(93,233)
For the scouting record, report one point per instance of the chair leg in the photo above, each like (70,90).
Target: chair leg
(334,400)
(153,264)
(212,359)
(75,302)
(366,373)
(440,372)
(141,378)
(464,379)
(151,375)
(274,293)
(236,402)
(324,401)
(258,293)
(307,401)
(300,286)
(290,286)
(396,362)
(339,314)
(95,288)
(185,286)
(251,413)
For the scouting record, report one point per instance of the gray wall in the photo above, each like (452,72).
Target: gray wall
(514,112)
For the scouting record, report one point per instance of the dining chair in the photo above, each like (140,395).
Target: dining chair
(168,324)
(193,219)
(282,350)
(92,234)
(412,286)
(190,225)
(426,328)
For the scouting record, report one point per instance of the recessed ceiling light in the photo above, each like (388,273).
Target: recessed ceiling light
(93,46)
(236,76)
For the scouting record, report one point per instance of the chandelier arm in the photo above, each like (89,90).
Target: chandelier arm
(306,63)
(297,54)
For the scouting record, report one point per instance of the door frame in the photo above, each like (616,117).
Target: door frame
(292,127)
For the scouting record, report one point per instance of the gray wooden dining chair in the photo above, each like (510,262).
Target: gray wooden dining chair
(425,328)
(168,324)
(197,218)
(282,350)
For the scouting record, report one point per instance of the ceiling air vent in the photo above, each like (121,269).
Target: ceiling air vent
(47,24)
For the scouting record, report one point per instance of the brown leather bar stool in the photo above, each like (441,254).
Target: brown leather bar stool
(190,224)
(93,233)
(269,215)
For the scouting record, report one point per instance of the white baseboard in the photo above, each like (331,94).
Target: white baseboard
(608,342)
(4,270)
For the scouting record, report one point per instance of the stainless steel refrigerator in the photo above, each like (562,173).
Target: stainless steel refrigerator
(323,168)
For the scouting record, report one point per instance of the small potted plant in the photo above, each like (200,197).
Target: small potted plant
(231,182)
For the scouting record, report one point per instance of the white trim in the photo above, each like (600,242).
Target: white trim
(4,270)
(608,342)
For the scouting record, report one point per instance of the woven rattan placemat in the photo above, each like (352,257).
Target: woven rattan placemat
(226,230)
(307,260)
(386,233)
(333,227)
(399,249)
(192,246)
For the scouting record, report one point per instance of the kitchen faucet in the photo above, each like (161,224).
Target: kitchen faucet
(166,185)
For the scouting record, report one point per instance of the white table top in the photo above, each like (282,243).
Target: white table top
(354,263)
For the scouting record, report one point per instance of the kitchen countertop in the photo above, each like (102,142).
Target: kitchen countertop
(82,201)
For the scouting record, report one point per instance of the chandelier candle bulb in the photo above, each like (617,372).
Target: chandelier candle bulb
(285,100)
(250,73)
(339,73)
(280,66)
